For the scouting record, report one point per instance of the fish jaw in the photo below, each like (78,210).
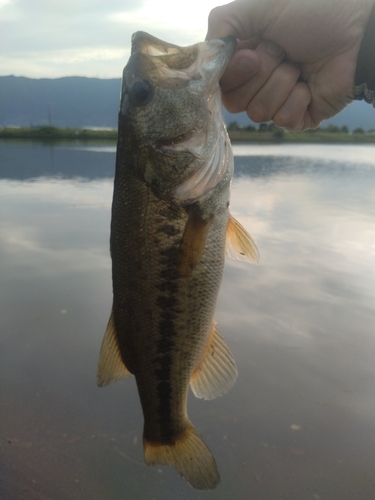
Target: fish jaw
(165,63)
(171,114)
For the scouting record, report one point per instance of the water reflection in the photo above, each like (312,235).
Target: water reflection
(299,422)
(31,160)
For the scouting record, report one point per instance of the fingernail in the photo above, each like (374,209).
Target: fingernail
(274,49)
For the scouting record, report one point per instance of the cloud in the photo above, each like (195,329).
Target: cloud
(40,38)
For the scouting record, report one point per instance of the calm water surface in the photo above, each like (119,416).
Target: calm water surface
(300,422)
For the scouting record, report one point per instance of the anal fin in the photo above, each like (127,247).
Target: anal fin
(217,371)
(111,367)
(239,244)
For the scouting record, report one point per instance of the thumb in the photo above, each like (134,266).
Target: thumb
(241,18)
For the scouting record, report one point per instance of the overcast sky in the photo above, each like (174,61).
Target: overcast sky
(53,38)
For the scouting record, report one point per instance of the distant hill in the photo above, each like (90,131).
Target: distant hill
(63,102)
(92,102)
(359,114)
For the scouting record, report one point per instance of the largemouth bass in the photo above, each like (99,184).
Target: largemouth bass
(170,223)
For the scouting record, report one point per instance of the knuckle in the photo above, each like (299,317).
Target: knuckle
(285,120)
(233,107)
(215,16)
(259,114)
(288,74)
(282,120)
(233,102)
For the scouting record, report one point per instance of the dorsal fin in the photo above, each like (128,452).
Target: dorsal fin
(217,370)
(111,367)
(239,244)
(193,242)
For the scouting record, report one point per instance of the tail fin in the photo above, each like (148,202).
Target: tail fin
(189,456)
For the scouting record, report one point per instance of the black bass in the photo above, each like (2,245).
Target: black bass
(170,223)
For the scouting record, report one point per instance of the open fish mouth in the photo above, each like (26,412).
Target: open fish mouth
(155,63)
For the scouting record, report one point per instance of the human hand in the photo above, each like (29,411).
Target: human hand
(296,59)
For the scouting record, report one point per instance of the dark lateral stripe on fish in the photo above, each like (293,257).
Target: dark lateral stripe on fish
(167,303)
(166,427)
(163,376)
(169,229)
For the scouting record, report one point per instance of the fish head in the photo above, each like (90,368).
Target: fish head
(170,119)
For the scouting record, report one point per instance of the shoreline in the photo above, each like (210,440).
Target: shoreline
(52,134)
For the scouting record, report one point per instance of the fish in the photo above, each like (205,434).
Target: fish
(170,231)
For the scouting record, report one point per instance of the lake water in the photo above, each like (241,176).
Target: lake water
(300,422)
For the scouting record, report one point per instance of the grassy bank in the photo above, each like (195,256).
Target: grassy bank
(297,137)
(239,135)
(54,133)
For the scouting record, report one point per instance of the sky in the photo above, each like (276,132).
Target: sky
(54,38)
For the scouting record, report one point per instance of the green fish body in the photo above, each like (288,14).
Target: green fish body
(169,233)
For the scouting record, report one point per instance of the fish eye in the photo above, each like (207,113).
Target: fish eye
(141,92)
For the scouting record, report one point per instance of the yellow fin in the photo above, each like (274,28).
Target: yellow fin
(193,243)
(239,244)
(189,456)
(217,371)
(111,367)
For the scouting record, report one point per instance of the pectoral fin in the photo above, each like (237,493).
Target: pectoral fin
(217,371)
(239,244)
(111,367)
(193,243)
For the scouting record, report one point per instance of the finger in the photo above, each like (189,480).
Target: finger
(222,22)
(274,92)
(293,114)
(250,43)
(270,55)
(243,66)
(235,18)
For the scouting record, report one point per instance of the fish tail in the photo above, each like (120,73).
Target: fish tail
(189,455)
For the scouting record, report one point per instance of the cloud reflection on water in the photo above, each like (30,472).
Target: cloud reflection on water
(300,325)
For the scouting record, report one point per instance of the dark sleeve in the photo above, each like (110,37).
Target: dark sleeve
(365,71)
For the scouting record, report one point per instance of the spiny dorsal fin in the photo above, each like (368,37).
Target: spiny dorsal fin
(188,455)
(193,243)
(111,367)
(239,244)
(217,371)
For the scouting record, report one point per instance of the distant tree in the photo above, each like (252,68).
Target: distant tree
(233,126)
(344,129)
(358,130)
(278,133)
(250,128)
(263,127)
(332,129)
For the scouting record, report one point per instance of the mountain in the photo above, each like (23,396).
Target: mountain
(92,102)
(359,114)
(63,102)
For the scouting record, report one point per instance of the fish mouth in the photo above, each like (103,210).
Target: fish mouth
(204,61)
(170,66)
